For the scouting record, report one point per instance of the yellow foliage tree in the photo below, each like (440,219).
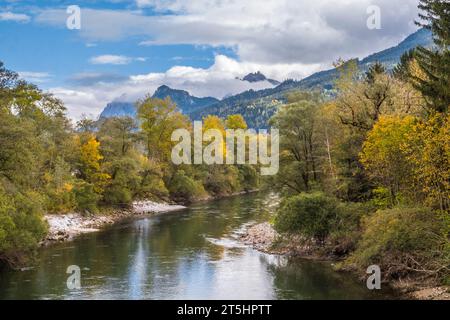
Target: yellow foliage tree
(383,155)
(236,121)
(428,149)
(90,158)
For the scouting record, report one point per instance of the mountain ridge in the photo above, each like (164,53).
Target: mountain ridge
(184,101)
(257,107)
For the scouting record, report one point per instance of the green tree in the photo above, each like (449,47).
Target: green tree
(296,122)
(158,119)
(310,215)
(435,63)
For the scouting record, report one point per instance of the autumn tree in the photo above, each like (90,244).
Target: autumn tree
(384,158)
(158,119)
(236,121)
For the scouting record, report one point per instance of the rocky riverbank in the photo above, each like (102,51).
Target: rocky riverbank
(264,238)
(64,227)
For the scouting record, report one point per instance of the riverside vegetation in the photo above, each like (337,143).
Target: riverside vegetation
(48,166)
(364,176)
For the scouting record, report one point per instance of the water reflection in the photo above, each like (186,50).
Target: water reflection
(194,254)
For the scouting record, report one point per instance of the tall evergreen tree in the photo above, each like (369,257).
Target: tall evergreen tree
(435,62)
(402,70)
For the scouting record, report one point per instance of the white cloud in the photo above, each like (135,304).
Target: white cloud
(91,93)
(281,38)
(275,31)
(17,17)
(35,77)
(115,59)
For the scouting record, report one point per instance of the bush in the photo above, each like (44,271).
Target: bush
(311,215)
(61,200)
(346,231)
(86,197)
(124,183)
(248,177)
(404,240)
(21,227)
(184,188)
(222,180)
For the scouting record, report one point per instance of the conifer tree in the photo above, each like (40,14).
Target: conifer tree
(435,62)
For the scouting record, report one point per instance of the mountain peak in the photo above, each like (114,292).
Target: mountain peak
(183,99)
(257,77)
(163,88)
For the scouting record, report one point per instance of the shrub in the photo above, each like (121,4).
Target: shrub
(86,197)
(311,215)
(184,188)
(221,180)
(21,227)
(60,200)
(346,231)
(404,240)
(248,177)
(123,184)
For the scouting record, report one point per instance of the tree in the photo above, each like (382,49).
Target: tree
(236,121)
(90,169)
(158,119)
(360,103)
(21,227)
(402,70)
(435,63)
(384,158)
(427,147)
(121,162)
(298,145)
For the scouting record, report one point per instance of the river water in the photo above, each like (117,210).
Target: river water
(190,254)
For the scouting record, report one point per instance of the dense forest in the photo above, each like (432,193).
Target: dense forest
(365,175)
(49,166)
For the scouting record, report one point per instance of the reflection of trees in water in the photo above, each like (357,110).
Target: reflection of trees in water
(161,256)
(295,278)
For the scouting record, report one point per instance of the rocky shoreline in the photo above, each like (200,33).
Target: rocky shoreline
(264,238)
(65,227)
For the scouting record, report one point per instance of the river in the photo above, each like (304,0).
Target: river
(189,254)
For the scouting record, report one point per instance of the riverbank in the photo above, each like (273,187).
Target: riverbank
(65,227)
(264,238)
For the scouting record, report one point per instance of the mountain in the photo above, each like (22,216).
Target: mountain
(257,77)
(185,102)
(257,107)
(119,109)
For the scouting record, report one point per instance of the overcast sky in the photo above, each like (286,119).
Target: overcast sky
(126,49)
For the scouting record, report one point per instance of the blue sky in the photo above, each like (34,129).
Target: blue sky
(62,53)
(126,49)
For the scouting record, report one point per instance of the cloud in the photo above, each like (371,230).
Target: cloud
(281,38)
(17,17)
(35,77)
(280,31)
(114,59)
(92,78)
(88,93)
